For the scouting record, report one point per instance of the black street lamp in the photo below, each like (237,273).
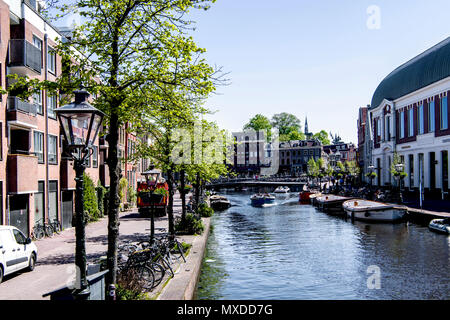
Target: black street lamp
(399,175)
(81,123)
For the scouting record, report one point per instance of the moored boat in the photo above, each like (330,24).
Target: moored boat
(331,204)
(372,211)
(313,198)
(440,225)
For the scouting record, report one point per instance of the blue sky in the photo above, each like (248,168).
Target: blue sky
(311,58)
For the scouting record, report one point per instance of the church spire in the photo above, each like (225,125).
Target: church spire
(306,126)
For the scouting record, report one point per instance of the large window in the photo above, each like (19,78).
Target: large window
(39,146)
(51,60)
(52,149)
(444,113)
(421,120)
(411,122)
(52,200)
(388,128)
(402,124)
(39,203)
(51,106)
(431,117)
(37,99)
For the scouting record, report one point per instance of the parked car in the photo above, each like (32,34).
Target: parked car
(17,252)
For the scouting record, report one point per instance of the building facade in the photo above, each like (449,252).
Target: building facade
(36,179)
(409,116)
(295,154)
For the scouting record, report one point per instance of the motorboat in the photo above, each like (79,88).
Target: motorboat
(313,198)
(305,196)
(260,199)
(219,202)
(281,189)
(440,225)
(373,211)
(331,204)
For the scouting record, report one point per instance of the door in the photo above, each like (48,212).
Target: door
(22,253)
(432,170)
(67,209)
(18,212)
(8,248)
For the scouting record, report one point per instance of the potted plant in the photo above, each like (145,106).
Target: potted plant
(158,195)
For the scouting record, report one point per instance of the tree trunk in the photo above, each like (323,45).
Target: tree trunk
(114,201)
(197,191)
(170,204)
(183,195)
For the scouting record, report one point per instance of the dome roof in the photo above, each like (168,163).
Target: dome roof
(429,67)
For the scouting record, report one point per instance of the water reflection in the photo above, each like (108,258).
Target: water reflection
(291,251)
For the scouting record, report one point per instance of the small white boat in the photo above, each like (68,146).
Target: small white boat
(282,190)
(365,210)
(440,225)
(219,202)
(331,204)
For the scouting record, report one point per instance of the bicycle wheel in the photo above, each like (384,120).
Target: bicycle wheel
(177,250)
(48,230)
(57,226)
(158,271)
(37,233)
(144,276)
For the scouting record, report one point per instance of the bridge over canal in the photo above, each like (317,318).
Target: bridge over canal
(268,185)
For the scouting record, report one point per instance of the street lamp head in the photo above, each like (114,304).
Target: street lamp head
(399,167)
(80,122)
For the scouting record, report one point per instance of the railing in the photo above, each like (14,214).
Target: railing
(23,53)
(17,104)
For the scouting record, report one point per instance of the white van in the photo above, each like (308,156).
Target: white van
(17,252)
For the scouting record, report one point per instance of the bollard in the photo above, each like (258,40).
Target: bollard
(112,292)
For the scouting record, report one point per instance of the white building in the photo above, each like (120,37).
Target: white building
(409,115)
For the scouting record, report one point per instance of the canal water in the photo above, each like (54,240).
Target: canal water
(293,251)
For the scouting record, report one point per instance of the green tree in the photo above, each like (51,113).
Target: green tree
(260,122)
(313,168)
(286,123)
(323,137)
(90,198)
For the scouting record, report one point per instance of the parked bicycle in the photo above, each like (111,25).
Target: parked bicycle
(38,231)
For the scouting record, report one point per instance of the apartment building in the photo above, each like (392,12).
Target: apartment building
(36,179)
(295,154)
(410,114)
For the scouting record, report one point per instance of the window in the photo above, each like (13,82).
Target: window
(411,171)
(51,60)
(39,203)
(421,119)
(39,146)
(52,200)
(38,44)
(388,128)
(51,106)
(444,113)
(95,157)
(402,124)
(431,117)
(411,122)
(37,99)
(52,149)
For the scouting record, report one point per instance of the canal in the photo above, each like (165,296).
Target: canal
(293,251)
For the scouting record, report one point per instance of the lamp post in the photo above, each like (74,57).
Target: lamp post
(80,122)
(399,169)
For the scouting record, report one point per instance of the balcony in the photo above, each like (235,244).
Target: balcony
(22,171)
(21,54)
(21,113)
(67,175)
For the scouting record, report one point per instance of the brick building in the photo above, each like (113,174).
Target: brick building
(36,180)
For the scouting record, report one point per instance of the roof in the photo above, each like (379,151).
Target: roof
(427,68)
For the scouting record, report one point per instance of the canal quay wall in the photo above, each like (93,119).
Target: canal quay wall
(183,285)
